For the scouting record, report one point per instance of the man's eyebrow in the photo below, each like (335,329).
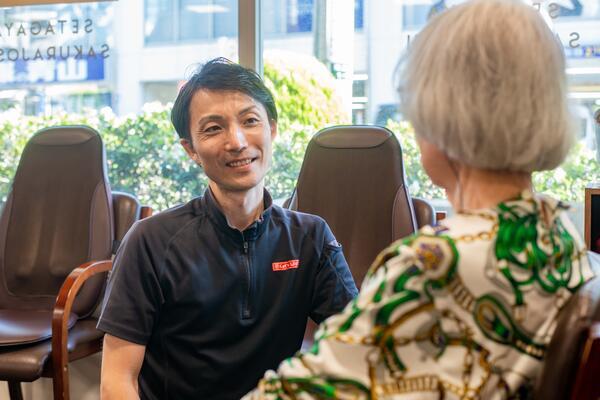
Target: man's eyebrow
(245,110)
(212,117)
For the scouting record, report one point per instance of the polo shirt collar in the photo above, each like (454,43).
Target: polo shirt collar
(218,218)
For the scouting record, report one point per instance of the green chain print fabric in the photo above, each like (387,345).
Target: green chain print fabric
(464,310)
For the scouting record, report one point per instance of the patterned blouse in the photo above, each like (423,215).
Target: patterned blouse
(462,310)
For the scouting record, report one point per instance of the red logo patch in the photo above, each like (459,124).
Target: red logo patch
(285,265)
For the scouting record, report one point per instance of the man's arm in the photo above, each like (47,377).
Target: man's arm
(121,364)
(334,286)
(131,305)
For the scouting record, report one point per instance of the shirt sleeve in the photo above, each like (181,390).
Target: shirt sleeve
(133,295)
(349,346)
(334,285)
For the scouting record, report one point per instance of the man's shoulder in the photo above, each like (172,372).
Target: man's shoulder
(167,223)
(306,223)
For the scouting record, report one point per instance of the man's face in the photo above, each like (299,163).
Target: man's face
(231,138)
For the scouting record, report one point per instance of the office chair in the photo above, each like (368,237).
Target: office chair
(58,230)
(353,177)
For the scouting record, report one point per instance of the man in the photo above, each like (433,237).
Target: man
(206,296)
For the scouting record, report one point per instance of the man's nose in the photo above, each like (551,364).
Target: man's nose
(236,139)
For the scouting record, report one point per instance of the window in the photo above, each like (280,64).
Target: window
(299,15)
(359,14)
(167,21)
(159,21)
(415,16)
(142,50)
(50,52)
(296,16)
(575,23)
(114,66)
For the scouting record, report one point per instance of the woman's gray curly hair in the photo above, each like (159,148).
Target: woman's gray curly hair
(485,82)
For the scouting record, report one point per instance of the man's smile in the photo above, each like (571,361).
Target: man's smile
(242,162)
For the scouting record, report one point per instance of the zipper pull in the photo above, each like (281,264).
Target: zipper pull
(245,247)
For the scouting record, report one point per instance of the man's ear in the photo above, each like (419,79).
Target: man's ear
(189,149)
(273,125)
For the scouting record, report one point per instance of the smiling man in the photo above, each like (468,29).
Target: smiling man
(207,296)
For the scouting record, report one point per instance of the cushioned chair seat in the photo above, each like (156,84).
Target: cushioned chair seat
(27,326)
(27,363)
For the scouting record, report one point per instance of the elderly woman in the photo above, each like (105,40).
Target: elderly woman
(465,309)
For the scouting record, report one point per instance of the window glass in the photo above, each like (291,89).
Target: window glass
(350,54)
(359,12)
(189,20)
(196,19)
(159,21)
(299,15)
(115,66)
(577,25)
(309,62)
(388,26)
(226,18)
(289,16)
(414,16)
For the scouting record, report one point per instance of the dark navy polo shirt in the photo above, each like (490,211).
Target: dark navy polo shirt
(216,307)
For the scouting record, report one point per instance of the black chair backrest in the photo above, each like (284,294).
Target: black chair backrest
(353,177)
(58,215)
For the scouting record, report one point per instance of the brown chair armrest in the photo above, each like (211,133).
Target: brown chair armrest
(60,317)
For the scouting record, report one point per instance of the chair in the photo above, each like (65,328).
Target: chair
(353,177)
(572,364)
(57,233)
(425,214)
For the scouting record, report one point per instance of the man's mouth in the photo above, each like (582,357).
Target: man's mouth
(240,163)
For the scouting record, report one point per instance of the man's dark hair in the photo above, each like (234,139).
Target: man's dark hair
(220,74)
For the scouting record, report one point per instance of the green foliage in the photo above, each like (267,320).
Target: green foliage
(143,154)
(142,150)
(306,102)
(566,182)
(144,157)
(419,184)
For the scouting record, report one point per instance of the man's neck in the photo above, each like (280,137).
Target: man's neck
(241,208)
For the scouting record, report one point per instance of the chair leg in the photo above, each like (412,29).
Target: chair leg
(60,383)
(14,390)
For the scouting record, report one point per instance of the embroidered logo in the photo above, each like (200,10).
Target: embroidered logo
(285,265)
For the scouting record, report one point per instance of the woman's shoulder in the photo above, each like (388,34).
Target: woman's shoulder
(532,229)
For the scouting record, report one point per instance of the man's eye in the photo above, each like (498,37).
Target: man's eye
(252,121)
(212,129)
